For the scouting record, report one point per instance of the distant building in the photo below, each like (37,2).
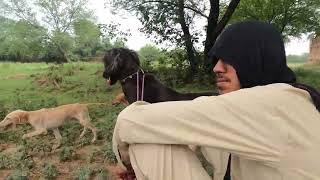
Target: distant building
(314,55)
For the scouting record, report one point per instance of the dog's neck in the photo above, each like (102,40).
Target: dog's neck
(137,73)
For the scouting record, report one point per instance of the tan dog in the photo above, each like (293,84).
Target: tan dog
(52,118)
(120,98)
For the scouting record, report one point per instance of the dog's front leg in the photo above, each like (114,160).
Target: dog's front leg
(83,132)
(35,133)
(58,136)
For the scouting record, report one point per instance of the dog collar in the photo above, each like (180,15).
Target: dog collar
(131,75)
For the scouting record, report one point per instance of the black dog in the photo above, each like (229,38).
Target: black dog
(123,65)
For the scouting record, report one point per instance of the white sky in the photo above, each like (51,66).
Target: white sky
(137,39)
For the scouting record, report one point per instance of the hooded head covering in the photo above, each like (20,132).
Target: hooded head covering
(256,51)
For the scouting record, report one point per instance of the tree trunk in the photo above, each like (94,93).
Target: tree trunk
(210,33)
(314,54)
(214,27)
(187,38)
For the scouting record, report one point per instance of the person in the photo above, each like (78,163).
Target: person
(267,122)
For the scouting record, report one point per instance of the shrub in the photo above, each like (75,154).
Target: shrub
(5,161)
(18,175)
(82,173)
(102,174)
(22,160)
(66,154)
(108,153)
(49,171)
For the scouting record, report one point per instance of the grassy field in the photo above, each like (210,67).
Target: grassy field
(38,85)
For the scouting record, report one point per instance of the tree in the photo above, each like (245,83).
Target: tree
(58,16)
(87,37)
(20,40)
(149,53)
(291,17)
(175,21)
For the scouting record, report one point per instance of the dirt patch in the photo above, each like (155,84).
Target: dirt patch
(5,173)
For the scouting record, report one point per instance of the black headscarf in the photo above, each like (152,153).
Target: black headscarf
(256,51)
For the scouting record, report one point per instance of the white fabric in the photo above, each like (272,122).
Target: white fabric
(271,131)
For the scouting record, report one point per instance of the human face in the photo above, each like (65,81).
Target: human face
(226,77)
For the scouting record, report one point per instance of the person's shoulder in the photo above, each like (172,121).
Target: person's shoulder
(276,87)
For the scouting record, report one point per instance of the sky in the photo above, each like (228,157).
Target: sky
(296,46)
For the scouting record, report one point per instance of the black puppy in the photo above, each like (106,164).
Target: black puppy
(123,65)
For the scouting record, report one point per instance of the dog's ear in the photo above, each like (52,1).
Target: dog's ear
(116,63)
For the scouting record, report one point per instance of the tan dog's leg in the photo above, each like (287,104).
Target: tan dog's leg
(58,136)
(83,132)
(35,133)
(125,102)
(84,120)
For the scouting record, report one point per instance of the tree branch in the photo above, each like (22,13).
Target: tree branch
(227,15)
(173,4)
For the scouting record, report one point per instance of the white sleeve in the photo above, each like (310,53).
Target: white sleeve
(250,122)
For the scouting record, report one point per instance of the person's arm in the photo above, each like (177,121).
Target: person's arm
(252,122)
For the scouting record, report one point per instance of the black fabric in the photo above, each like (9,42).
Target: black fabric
(227,176)
(256,51)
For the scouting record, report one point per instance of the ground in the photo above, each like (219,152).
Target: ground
(39,85)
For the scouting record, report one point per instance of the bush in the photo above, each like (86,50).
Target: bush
(108,153)
(82,173)
(18,175)
(5,161)
(49,171)
(66,154)
(22,160)
(102,174)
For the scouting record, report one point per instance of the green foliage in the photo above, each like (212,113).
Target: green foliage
(20,40)
(108,153)
(18,175)
(87,38)
(83,173)
(49,171)
(309,75)
(297,58)
(148,54)
(172,68)
(23,103)
(3,111)
(67,31)
(291,17)
(5,161)
(67,154)
(22,160)
(102,174)
(176,22)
